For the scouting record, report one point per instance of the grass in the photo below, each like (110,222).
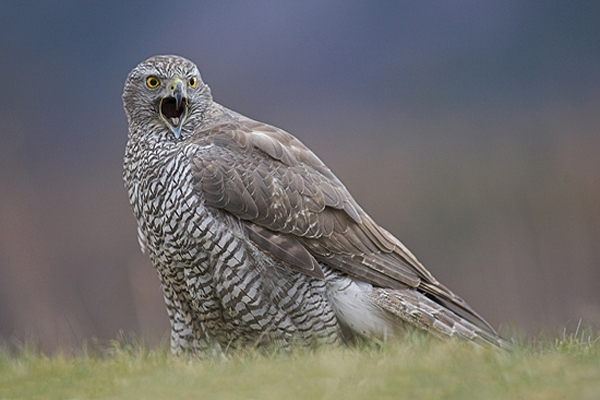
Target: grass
(418,368)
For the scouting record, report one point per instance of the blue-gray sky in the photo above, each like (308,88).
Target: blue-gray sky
(64,63)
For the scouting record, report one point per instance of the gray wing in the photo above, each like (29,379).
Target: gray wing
(296,210)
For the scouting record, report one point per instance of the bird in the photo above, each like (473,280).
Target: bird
(255,241)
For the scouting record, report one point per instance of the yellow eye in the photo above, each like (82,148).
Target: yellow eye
(193,82)
(152,82)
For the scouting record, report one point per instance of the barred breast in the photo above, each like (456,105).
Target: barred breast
(220,289)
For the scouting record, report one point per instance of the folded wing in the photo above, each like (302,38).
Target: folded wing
(297,211)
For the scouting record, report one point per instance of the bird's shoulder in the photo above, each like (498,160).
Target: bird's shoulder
(255,170)
(226,130)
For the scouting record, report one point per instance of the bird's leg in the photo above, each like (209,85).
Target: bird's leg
(187,333)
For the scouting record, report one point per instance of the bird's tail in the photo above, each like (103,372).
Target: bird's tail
(417,309)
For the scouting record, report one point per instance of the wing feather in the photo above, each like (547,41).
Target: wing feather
(299,212)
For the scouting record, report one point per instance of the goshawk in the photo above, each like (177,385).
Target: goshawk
(256,241)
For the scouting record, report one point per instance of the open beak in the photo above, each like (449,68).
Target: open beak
(173,107)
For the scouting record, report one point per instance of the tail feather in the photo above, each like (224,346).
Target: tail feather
(417,309)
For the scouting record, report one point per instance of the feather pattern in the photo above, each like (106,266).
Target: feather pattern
(255,240)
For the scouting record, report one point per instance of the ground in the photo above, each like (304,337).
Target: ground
(417,368)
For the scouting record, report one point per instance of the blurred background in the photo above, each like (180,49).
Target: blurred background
(469,129)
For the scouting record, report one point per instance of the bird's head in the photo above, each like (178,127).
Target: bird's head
(166,92)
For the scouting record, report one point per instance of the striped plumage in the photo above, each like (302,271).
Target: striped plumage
(255,241)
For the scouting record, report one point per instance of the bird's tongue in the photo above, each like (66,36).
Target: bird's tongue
(171,112)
